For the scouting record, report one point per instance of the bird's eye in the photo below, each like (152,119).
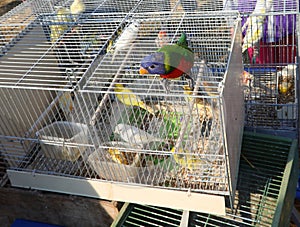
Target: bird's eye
(152,66)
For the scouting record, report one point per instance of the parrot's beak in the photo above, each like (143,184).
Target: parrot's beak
(143,71)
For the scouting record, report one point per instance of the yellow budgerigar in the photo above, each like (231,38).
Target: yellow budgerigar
(127,97)
(77,7)
(284,87)
(187,160)
(60,23)
(118,156)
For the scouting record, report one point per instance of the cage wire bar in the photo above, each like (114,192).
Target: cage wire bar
(271,62)
(77,127)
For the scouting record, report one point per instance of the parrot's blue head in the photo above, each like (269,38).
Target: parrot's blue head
(153,64)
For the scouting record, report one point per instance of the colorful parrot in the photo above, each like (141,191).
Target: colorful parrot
(170,62)
(128,98)
(126,39)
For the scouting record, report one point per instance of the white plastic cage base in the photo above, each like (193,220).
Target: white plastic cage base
(184,200)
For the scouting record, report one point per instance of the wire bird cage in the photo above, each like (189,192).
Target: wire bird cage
(79,130)
(40,66)
(270,45)
(107,6)
(16,22)
(264,195)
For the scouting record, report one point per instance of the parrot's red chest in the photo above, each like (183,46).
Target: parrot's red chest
(183,67)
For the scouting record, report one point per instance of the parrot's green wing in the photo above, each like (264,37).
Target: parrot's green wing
(174,54)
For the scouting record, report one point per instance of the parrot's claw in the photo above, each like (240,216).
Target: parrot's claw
(190,81)
(165,84)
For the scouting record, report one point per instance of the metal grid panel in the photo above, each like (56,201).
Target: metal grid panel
(91,6)
(79,133)
(262,6)
(256,201)
(179,5)
(14,23)
(17,22)
(156,6)
(50,6)
(173,106)
(151,216)
(198,5)
(56,51)
(271,64)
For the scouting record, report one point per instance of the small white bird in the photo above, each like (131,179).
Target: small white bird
(127,38)
(134,135)
(77,7)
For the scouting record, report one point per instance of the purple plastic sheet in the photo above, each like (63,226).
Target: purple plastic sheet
(281,26)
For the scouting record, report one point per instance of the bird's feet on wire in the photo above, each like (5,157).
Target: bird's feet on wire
(166,85)
(190,81)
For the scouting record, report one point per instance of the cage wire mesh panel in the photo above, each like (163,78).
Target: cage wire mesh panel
(270,58)
(174,138)
(107,6)
(260,190)
(13,23)
(178,5)
(38,76)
